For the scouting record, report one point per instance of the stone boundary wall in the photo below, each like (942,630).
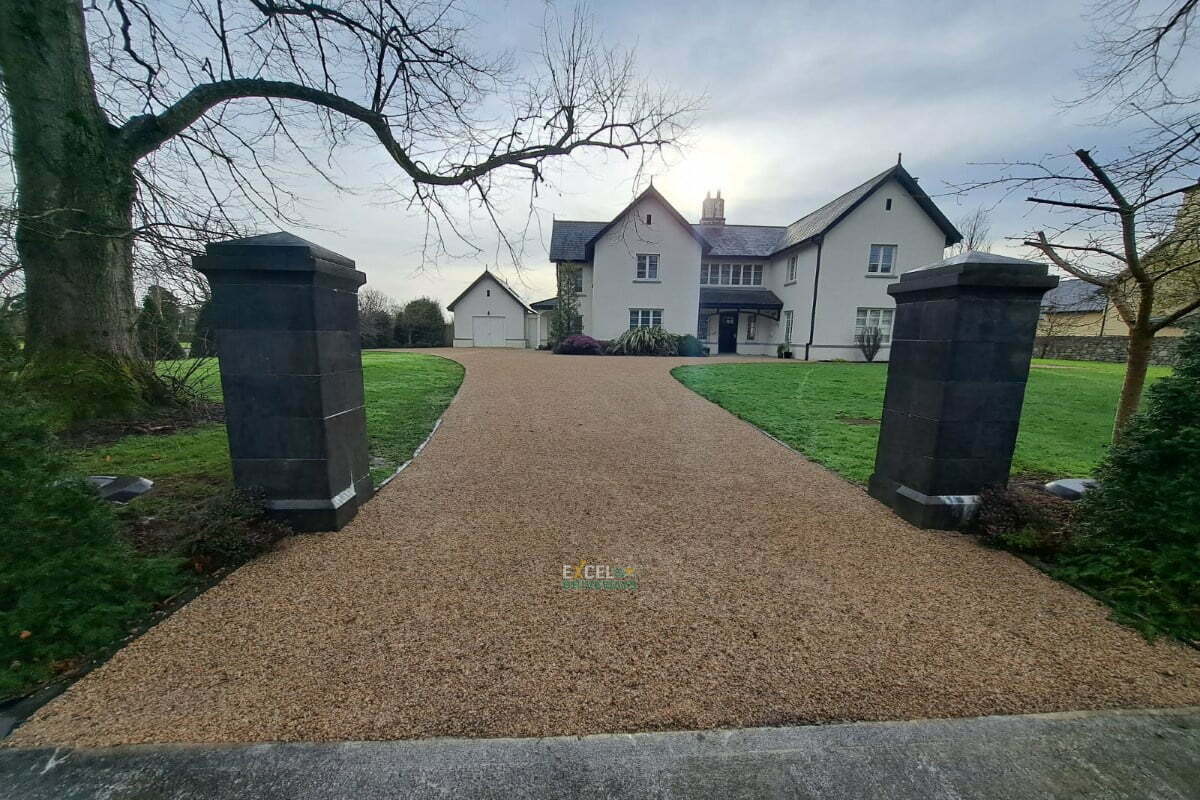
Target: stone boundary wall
(1102,348)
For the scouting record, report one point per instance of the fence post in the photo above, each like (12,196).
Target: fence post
(962,340)
(285,313)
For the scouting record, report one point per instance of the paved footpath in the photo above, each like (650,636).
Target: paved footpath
(770,592)
(1101,755)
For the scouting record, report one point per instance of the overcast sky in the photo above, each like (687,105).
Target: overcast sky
(803,101)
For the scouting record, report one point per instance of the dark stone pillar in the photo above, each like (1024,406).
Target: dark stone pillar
(961,344)
(286,318)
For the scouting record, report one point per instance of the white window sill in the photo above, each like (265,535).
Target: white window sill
(888,275)
(647,280)
(789,283)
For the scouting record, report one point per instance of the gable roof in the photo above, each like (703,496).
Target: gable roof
(571,235)
(1074,295)
(573,240)
(489,274)
(819,222)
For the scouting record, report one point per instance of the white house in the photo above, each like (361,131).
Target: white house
(748,288)
(490,314)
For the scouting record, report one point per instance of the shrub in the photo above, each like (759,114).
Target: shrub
(690,346)
(578,344)
(652,341)
(869,340)
(69,584)
(1023,517)
(229,529)
(1138,533)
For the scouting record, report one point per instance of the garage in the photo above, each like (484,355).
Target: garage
(490,314)
(488,331)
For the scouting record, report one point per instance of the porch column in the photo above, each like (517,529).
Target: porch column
(286,318)
(962,340)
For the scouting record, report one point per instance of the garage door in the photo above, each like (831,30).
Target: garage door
(488,331)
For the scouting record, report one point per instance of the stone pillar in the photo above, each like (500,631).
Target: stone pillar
(962,339)
(286,318)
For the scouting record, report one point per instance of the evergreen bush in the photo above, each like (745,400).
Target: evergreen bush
(1137,539)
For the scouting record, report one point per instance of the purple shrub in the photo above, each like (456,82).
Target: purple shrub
(579,345)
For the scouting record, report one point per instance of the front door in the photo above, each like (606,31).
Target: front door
(727,338)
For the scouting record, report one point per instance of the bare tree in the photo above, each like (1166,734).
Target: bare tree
(1128,224)
(976,228)
(1126,230)
(175,117)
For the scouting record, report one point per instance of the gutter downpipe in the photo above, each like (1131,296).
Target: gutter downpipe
(812,314)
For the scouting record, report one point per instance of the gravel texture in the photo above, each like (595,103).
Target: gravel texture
(770,591)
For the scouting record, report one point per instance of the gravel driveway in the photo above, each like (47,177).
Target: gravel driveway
(770,591)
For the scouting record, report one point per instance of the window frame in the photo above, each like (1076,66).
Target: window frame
(642,269)
(863,319)
(789,319)
(792,267)
(875,267)
(751,327)
(646,318)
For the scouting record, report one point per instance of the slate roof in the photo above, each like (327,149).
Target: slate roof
(1074,295)
(569,239)
(830,214)
(549,304)
(489,274)
(715,297)
(753,241)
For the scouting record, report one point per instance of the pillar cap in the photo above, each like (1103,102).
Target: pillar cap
(278,252)
(974,268)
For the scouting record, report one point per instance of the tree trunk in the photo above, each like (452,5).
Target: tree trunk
(1140,342)
(75,187)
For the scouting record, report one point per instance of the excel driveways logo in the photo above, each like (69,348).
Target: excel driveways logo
(598,576)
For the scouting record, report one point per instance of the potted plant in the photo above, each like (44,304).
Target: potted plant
(787,353)
(779,351)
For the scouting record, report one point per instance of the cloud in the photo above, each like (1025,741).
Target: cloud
(804,101)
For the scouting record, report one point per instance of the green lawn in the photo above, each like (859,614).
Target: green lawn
(819,410)
(406,393)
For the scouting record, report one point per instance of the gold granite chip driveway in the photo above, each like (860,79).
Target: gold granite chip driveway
(769,591)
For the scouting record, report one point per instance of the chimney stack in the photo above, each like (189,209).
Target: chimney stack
(713,212)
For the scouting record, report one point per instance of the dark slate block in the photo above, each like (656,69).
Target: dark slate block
(956,382)
(1071,488)
(120,488)
(286,316)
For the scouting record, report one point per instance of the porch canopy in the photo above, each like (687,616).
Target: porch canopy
(755,301)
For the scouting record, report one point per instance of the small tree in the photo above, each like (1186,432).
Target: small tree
(158,325)
(566,319)
(421,323)
(204,335)
(869,340)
